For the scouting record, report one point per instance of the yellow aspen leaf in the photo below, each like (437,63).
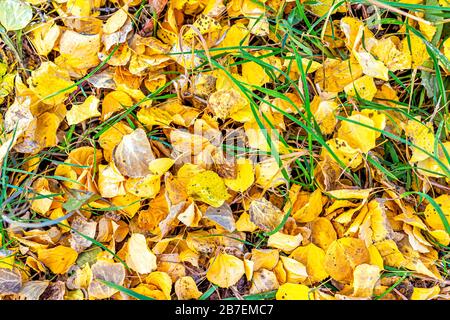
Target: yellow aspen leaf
(391,254)
(204,24)
(308,66)
(225,102)
(150,291)
(264,258)
(430,166)
(363,87)
(371,66)
(357,132)
(343,256)
(128,204)
(322,233)
(145,187)
(139,257)
(365,277)
(44,37)
(249,269)
(387,51)
(269,174)
(51,83)
(160,166)
(81,112)
(190,216)
(324,114)
(115,101)
(186,289)
(208,187)
(46,128)
(354,30)
(106,271)
(292,291)
(285,242)
(78,50)
(244,176)
(446,45)
(425,293)
(441,236)
(428,30)
(112,137)
(421,136)
(244,224)
(255,74)
(359,194)
(313,258)
(235,36)
(349,156)
(375,257)
(43,195)
(154,116)
(311,210)
(110,181)
(58,259)
(295,270)
(432,218)
(82,277)
(225,270)
(262,281)
(116,20)
(416,48)
(160,280)
(335,74)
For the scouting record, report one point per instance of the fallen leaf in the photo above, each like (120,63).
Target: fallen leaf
(139,257)
(225,270)
(58,259)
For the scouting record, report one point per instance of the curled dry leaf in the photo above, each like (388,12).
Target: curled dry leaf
(32,290)
(10,281)
(223,216)
(186,289)
(133,155)
(106,271)
(265,215)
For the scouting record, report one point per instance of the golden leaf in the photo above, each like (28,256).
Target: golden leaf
(186,289)
(139,257)
(343,256)
(208,187)
(313,258)
(291,291)
(58,259)
(322,233)
(365,277)
(432,217)
(84,111)
(225,270)
(51,83)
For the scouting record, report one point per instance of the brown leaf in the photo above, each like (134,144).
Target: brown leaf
(265,215)
(133,155)
(10,281)
(222,216)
